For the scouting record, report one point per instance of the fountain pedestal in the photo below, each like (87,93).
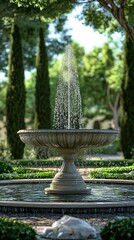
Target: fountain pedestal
(68,180)
(68,143)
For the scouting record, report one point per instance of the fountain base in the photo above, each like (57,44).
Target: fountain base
(67,183)
(68,180)
(63,192)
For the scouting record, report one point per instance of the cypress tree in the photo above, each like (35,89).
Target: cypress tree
(42,91)
(15,99)
(127,101)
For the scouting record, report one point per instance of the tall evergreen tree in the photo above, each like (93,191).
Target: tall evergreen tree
(42,91)
(15,99)
(127,115)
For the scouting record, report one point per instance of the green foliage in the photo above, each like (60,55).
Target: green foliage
(30,98)
(118,229)
(14,230)
(99,18)
(113,173)
(112,148)
(4,150)
(25,170)
(28,175)
(79,163)
(99,77)
(3,89)
(125,169)
(4,45)
(127,114)
(15,99)
(104,163)
(58,7)
(5,167)
(109,16)
(36,163)
(42,93)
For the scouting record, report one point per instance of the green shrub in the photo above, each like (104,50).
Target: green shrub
(113,173)
(104,163)
(119,229)
(26,170)
(5,167)
(79,163)
(101,175)
(15,230)
(116,169)
(32,175)
(36,163)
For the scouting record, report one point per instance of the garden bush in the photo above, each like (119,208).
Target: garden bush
(113,173)
(5,167)
(101,175)
(24,170)
(119,229)
(79,163)
(36,163)
(32,175)
(15,230)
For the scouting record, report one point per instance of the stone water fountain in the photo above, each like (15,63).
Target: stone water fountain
(68,136)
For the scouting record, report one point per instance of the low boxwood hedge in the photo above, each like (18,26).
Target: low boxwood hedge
(98,175)
(26,170)
(112,173)
(79,163)
(14,230)
(32,175)
(118,229)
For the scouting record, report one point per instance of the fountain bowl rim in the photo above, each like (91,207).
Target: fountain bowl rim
(82,130)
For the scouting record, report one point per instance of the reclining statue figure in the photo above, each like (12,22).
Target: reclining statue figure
(69,228)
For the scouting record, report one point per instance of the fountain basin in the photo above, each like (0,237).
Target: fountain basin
(68,143)
(69,206)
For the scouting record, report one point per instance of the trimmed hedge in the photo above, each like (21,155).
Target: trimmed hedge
(36,163)
(32,175)
(26,170)
(98,175)
(79,163)
(15,230)
(118,229)
(113,173)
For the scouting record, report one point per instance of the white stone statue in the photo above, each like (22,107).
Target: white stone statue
(69,228)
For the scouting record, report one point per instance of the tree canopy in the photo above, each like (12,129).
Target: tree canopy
(47,10)
(50,9)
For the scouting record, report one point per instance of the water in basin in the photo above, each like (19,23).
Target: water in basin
(34,192)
